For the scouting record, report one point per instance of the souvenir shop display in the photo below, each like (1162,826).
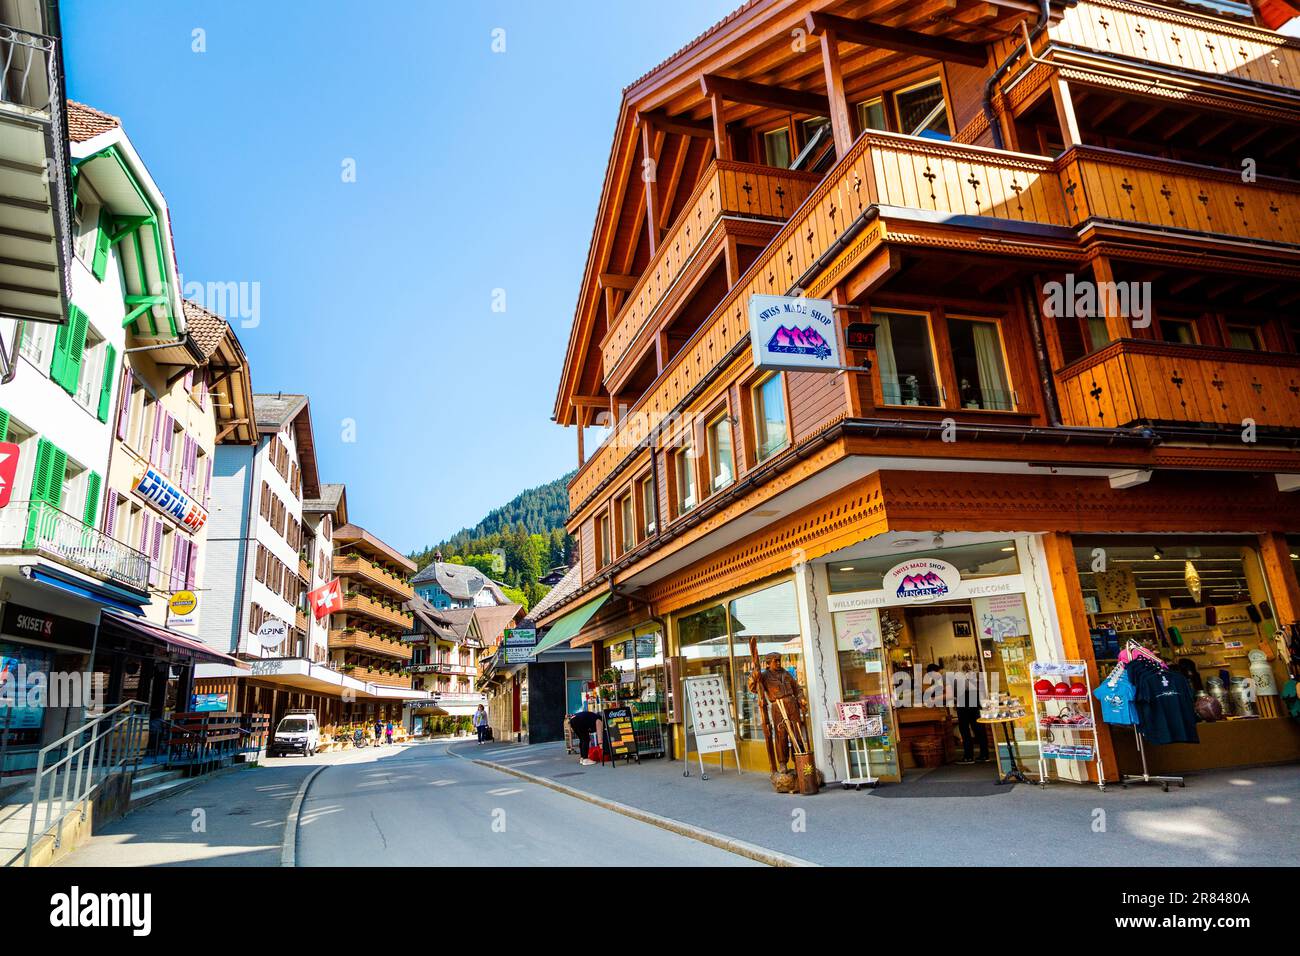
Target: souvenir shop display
(854,723)
(1002,707)
(1065,719)
(710,719)
(1142,691)
(1004,710)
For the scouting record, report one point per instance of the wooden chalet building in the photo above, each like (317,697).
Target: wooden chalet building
(1130,465)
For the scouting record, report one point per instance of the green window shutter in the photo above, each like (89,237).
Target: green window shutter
(58,475)
(103,243)
(60,359)
(106,390)
(4,425)
(74,350)
(40,488)
(91,512)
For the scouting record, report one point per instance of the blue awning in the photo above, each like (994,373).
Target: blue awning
(106,594)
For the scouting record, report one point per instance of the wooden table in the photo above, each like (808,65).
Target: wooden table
(1014,773)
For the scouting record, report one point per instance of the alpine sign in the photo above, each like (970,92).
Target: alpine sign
(793,333)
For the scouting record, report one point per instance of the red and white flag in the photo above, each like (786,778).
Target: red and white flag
(326,599)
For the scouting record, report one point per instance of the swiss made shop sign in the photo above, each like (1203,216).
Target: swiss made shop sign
(793,333)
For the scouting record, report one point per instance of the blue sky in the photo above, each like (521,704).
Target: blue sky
(475,171)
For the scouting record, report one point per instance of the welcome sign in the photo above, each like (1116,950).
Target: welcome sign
(786,332)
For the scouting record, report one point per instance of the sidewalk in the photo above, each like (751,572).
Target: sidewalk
(953,815)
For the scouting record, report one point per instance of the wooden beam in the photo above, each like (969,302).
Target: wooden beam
(650,180)
(841,116)
(760,94)
(1065,114)
(616,280)
(721,141)
(895,38)
(681,125)
(1146,117)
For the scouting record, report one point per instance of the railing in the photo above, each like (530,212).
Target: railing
(28,69)
(373,676)
(351,564)
(441,667)
(365,641)
(727,188)
(1133,381)
(1105,184)
(1181,40)
(44,528)
(66,769)
(360,604)
(951,180)
(205,740)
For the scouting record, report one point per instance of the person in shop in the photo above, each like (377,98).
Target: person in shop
(968,715)
(480,722)
(584,724)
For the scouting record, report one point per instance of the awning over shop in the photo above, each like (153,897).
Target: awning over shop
(568,626)
(129,602)
(310,677)
(116,623)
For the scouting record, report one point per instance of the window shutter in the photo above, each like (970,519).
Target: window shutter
(4,425)
(99,265)
(69,348)
(91,511)
(110,513)
(191,565)
(40,488)
(124,405)
(58,475)
(158,416)
(168,439)
(155,551)
(106,389)
(207,480)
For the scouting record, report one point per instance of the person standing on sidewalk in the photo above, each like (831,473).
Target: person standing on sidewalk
(584,724)
(480,722)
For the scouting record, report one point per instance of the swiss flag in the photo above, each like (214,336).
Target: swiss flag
(326,599)
(8,469)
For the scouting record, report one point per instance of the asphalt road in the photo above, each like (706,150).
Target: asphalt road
(421,806)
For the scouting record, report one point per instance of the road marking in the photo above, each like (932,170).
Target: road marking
(441,783)
(525,763)
(505,791)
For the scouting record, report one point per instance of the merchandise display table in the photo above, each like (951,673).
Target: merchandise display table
(1013,772)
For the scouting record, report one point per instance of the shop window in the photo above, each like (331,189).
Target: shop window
(704,645)
(989,560)
(771,430)
(905,356)
(770,618)
(721,460)
(922,111)
(871,114)
(1178,331)
(980,363)
(776,147)
(684,471)
(1245,337)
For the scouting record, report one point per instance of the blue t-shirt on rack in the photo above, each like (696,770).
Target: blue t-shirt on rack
(1116,696)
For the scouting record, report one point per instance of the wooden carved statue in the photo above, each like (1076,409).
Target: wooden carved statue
(780,695)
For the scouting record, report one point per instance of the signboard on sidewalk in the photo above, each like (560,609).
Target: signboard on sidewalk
(710,712)
(620,737)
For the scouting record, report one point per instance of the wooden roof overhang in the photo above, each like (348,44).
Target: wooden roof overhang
(231,391)
(306,443)
(766,45)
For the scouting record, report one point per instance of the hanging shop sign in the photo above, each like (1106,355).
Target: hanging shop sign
(182,608)
(922,581)
(8,470)
(517,644)
(786,332)
(620,737)
(159,492)
(272,633)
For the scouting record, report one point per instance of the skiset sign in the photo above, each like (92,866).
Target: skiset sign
(786,332)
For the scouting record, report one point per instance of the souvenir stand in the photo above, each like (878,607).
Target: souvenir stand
(854,723)
(1064,718)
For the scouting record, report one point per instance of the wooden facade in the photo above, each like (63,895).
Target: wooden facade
(1087,165)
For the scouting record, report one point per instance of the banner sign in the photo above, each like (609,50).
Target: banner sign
(922,581)
(8,469)
(793,333)
(208,703)
(156,489)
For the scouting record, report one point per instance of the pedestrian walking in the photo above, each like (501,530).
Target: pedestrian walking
(388,733)
(480,722)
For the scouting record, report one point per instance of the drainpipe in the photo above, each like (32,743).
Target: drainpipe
(995,127)
(1040,353)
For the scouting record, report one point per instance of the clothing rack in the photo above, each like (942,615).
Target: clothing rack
(1131,648)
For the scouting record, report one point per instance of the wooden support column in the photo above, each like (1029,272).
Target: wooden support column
(732,258)
(1076,640)
(650,178)
(1117,326)
(1281,576)
(1065,114)
(721,144)
(582,451)
(841,116)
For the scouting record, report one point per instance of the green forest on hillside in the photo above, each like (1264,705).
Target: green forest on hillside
(529,529)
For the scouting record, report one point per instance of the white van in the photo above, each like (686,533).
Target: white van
(298,733)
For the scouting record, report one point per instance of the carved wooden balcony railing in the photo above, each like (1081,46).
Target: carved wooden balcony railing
(366,641)
(1132,382)
(359,604)
(383,678)
(1112,185)
(1181,40)
(727,188)
(353,565)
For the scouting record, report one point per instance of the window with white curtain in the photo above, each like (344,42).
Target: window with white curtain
(905,356)
(980,364)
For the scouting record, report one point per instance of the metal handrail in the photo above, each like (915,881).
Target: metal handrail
(122,747)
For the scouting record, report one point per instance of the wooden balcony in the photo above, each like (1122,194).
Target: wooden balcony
(382,678)
(1132,382)
(352,565)
(727,188)
(1107,185)
(373,643)
(366,607)
(1181,40)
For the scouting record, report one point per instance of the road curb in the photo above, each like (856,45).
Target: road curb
(289,848)
(739,847)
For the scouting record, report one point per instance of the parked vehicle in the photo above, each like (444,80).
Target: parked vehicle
(297,732)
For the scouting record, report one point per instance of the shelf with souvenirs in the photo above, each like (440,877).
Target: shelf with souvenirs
(1066,722)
